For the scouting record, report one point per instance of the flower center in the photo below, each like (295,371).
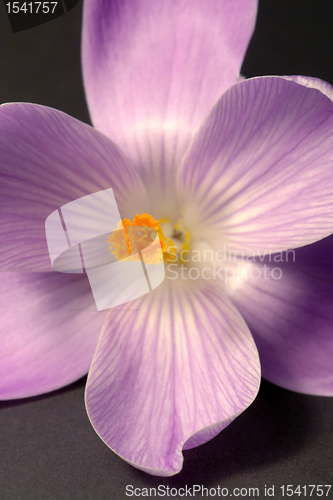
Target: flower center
(135,235)
(177,239)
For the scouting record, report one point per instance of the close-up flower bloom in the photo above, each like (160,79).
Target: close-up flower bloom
(217,162)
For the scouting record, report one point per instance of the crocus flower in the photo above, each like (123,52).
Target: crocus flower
(220,163)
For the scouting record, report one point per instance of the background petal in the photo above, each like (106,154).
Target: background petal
(48,333)
(259,173)
(48,159)
(174,367)
(287,305)
(153,70)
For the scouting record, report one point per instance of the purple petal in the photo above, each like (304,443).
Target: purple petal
(170,371)
(153,70)
(288,307)
(314,83)
(259,174)
(48,159)
(49,331)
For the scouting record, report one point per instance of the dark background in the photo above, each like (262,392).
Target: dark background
(48,450)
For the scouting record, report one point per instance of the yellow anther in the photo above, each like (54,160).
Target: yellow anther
(131,238)
(134,236)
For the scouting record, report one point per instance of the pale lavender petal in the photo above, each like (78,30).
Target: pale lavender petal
(49,330)
(171,370)
(259,173)
(48,159)
(153,69)
(314,83)
(287,302)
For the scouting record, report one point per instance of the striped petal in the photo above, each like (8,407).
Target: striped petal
(259,173)
(286,299)
(48,159)
(153,70)
(49,330)
(171,370)
(313,83)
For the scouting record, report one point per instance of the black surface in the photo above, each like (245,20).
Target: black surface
(24,15)
(48,449)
